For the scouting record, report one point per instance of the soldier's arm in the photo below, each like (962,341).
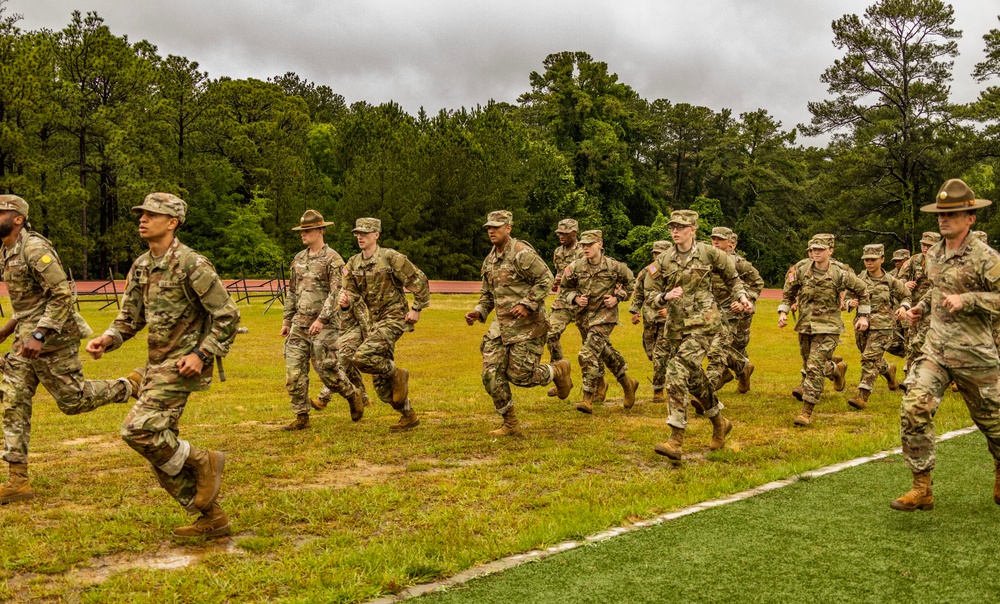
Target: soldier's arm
(334,271)
(752,280)
(225,315)
(52,278)
(413,279)
(723,265)
(900,293)
(857,288)
(627,280)
(291,299)
(132,315)
(533,270)
(790,290)
(486,302)
(348,285)
(569,289)
(989,274)
(638,293)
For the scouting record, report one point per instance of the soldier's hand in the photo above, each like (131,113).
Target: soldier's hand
(673,294)
(412,316)
(852,304)
(520,311)
(98,345)
(662,313)
(861,324)
(556,282)
(736,306)
(911,285)
(952,303)
(316,327)
(747,305)
(472,316)
(190,365)
(581,300)
(901,313)
(285,330)
(636,317)
(782,319)
(795,306)
(610,301)
(30,348)
(344,300)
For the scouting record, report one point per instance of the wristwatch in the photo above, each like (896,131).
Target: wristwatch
(38,336)
(201,355)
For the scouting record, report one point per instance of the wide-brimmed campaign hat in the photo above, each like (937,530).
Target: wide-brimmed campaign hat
(955,196)
(311,220)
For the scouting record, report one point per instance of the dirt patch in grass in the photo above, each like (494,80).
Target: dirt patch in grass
(365,473)
(89,443)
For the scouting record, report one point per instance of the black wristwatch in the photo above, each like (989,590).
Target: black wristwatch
(38,336)
(201,355)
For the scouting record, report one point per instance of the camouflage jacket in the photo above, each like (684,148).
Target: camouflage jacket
(752,286)
(818,294)
(182,302)
(378,282)
(963,338)
(596,281)
(313,287)
(561,258)
(39,292)
(643,297)
(517,275)
(696,309)
(915,270)
(886,294)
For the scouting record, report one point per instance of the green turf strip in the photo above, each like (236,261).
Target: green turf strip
(827,539)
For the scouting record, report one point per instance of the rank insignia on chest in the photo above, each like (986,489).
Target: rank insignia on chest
(652,269)
(791,275)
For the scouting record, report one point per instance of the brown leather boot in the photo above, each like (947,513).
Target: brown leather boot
(407,421)
(207,466)
(553,391)
(301,422)
(919,497)
(509,427)
(804,418)
(357,404)
(602,391)
(17,488)
(629,385)
(317,404)
(744,385)
(672,447)
(860,400)
(890,377)
(996,483)
(659,396)
(561,378)
(724,378)
(400,385)
(798,393)
(839,373)
(721,427)
(213,522)
(586,405)
(837,359)
(134,379)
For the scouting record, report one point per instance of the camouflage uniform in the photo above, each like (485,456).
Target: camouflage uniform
(596,281)
(563,313)
(512,347)
(820,323)
(378,283)
(754,285)
(915,270)
(652,323)
(41,298)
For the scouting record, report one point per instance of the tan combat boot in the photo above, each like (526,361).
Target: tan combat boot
(804,418)
(629,386)
(407,421)
(213,522)
(860,400)
(724,378)
(798,393)
(357,404)
(659,396)
(602,391)
(17,488)
(207,466)
(744,385)
(553,391)
(721,427)
(919,497)
(509,427)
(400,385)
(672,447)
(890,377)
(996,482)
(134,379)
(837,359)
(301,422)
(839,373)
(325,396)
(318,404)
(586,405)
(561,378)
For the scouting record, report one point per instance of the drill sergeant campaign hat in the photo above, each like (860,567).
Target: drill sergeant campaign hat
(721,232)
(821,241)
(661,246)
(567,225)
(311,220)
(367,225)
(901,254)
(499,218)
(930,238)
(873,251)
(684,218)
(13,202)
(163,203)
(955,196)
(589,237)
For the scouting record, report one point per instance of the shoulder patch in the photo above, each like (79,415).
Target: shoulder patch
(994,273)
(567,271)
(652,269)
(343,270)
(791,274)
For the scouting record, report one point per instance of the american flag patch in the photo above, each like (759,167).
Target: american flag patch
(343,270)
(791,275)
(652,269)
(566,272)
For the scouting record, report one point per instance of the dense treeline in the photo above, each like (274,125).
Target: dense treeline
(90,122)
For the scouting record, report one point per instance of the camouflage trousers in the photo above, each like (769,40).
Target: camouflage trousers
(518,364)
(559,320)
(741,335)
(373,355)
(321,349)
(873,343)
(598,353)
(900,335)
(651,332)
(685,378)
(61,373)
(722,353)
(978,386)
(915,343)
(817,352)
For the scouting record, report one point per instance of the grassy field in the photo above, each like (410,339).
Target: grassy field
(344,512)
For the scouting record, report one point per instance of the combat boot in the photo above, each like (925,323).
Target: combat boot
(919,497)
(602,390)
(744,385)
(837,359)
(860,400)
(629,386)
(586,405)
(134,379)
(17,488)
(839,373)
(721,427)
(325,396)
(509,427)
(890,377)
(301,423)
(213,522)
(996,482)
(561,378)
(658,396)
(357,404)
(553,391)
(672,447)
(400,385)
(207,467)
(724,378)
(798,393)
(317,404)
(804,418)
(407,421)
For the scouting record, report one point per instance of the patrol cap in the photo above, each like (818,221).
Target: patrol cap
(163,203)
(567,225)
(661,246)
(499,218)
(874,251)
(955,196)
(367,225)
(930,238)
(721,232)
(684,218)
(589,237)
(13,202)
(311,220)
(901,254)
(734,237)
(821,241)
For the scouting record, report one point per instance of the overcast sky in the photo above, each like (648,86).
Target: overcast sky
(737,54)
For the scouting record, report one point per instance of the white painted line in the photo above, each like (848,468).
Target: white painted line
(518,559)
